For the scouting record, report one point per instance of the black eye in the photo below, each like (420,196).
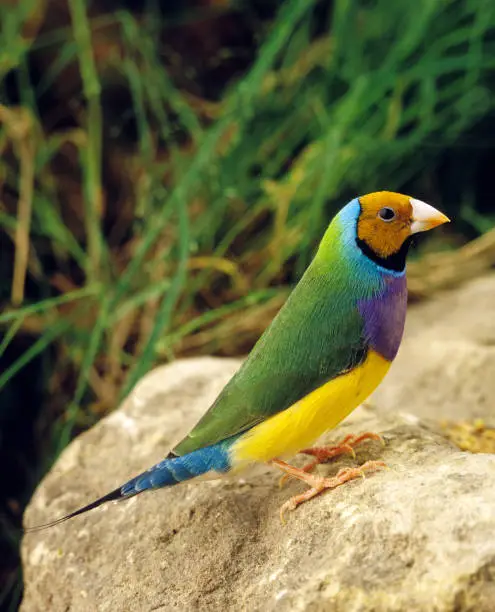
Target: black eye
(386,214)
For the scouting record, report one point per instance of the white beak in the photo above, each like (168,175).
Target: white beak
(425,217)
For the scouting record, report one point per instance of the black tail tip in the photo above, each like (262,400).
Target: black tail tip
(114,495)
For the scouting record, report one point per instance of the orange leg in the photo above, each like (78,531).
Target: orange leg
(346,445)
(324,453)
(318,484)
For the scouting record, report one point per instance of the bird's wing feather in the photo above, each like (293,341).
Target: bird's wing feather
(316,336)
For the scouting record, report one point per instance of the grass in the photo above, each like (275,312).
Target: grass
(215,204)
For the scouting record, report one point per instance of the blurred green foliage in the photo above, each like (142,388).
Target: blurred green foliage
(165,174)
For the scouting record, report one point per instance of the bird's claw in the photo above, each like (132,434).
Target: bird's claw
(309,467)
(324,453)
(319,483)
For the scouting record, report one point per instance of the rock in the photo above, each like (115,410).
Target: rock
(445,368)
(416,537)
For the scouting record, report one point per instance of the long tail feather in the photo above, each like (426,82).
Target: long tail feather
(169,472)
(116,494)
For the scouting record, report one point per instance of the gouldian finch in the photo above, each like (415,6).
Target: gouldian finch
(324,353)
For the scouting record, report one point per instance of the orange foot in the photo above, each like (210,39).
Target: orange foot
(319,483)
(324,453)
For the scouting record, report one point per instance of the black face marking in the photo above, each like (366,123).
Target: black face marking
(396,261)
(387,214)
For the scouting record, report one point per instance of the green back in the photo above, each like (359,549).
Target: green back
(316,336)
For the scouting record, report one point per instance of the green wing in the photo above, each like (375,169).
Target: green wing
(316,336)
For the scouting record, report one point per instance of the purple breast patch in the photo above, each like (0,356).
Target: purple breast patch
(384,316)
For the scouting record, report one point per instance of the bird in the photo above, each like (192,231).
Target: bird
(324,353)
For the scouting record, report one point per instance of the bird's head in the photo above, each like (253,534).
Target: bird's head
(386,222)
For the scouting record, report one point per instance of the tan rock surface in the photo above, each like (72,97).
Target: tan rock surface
(445,368)
(418,537)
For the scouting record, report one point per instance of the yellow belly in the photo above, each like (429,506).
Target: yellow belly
(300,425)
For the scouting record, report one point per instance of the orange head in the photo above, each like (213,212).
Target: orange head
(388,219)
